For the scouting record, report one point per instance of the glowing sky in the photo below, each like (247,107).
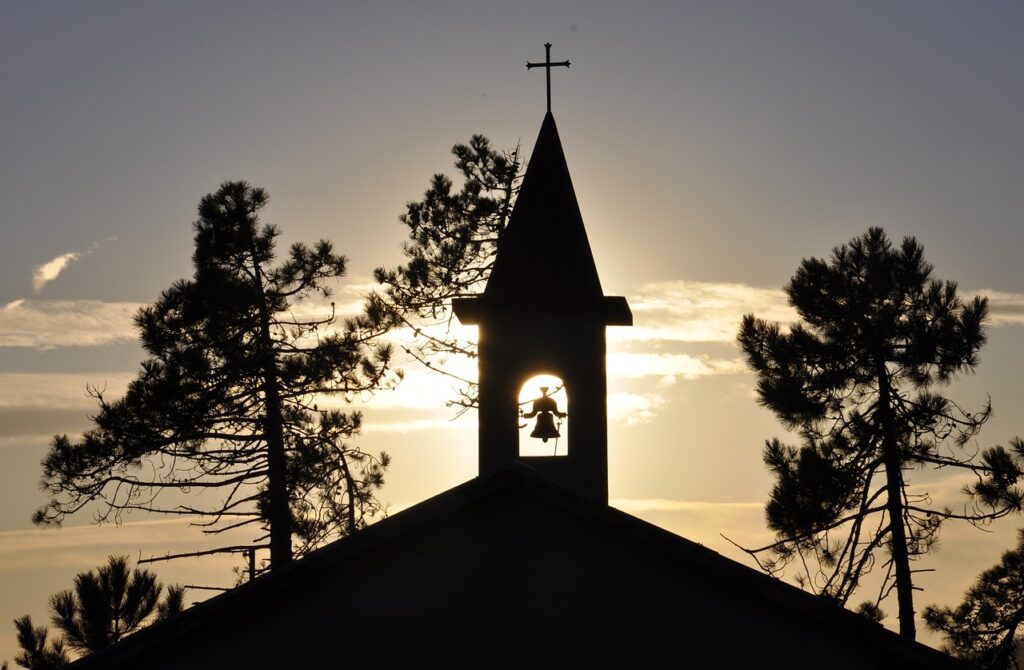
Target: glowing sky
(713,145)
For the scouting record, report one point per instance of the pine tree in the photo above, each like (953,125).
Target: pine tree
(453,238)
(104,606)
(226,404)
(110,603)
(986,627)
(856,379)
(38,652)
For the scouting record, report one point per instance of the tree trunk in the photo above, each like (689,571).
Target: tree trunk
(279,515)
(350,484)
(894,505)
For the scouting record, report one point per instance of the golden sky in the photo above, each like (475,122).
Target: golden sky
(713,145)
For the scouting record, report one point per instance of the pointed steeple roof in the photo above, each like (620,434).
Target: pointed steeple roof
(544,264)
(544,252)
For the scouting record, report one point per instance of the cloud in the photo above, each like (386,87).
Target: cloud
(51,269)
(670,311)
(45,324)
(29,551)
(58,390)
(1005,309)
(631,408)
(693,311)
(634,408)
(413,425)
(21,426)
(423,389)
(16,545)
(640,505)
(704,521)
(668,367)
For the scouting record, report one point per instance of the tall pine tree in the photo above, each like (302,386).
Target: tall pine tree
(222,423)
(856,379)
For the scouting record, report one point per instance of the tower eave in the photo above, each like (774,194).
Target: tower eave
(612,310)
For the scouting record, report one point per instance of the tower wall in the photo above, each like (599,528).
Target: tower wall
(571,347)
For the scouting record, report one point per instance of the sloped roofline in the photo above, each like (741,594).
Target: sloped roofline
(690,556)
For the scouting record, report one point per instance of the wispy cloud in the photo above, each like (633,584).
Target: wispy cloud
(693,311)
(631,408)
(45,324)
(639,505)
(1005,309)
(412,425)
(58,390)
(679,311)
(633,365)
(704,521)
(682,312)
(634,408)
(20,543)
(51,269)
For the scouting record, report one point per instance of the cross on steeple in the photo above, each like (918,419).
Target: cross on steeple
(547,65)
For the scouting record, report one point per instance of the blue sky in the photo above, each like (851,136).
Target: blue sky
(713,145)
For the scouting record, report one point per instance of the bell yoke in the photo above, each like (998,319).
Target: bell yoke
(545,408)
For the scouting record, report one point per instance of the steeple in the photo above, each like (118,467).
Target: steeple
(544,251)
(543,312)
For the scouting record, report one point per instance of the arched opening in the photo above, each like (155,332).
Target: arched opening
(543,417)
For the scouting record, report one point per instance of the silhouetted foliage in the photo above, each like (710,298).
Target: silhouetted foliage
(871,611)
(109,603)
(37,651)
(986,627)
(104,606)
(225,405)
(855,379)
(453,237)
(333,484)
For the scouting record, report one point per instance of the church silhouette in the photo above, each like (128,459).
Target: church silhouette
(525,566)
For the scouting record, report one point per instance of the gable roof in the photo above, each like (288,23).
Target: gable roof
(519,482)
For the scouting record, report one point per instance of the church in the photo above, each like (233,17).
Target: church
(525,566)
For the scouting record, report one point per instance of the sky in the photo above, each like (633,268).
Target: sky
(712,145)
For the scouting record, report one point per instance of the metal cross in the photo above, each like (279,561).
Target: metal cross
(547,65)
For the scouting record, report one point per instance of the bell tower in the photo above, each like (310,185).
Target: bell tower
(543,312)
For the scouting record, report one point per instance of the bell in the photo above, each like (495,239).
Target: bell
(545,428)
(545,408)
